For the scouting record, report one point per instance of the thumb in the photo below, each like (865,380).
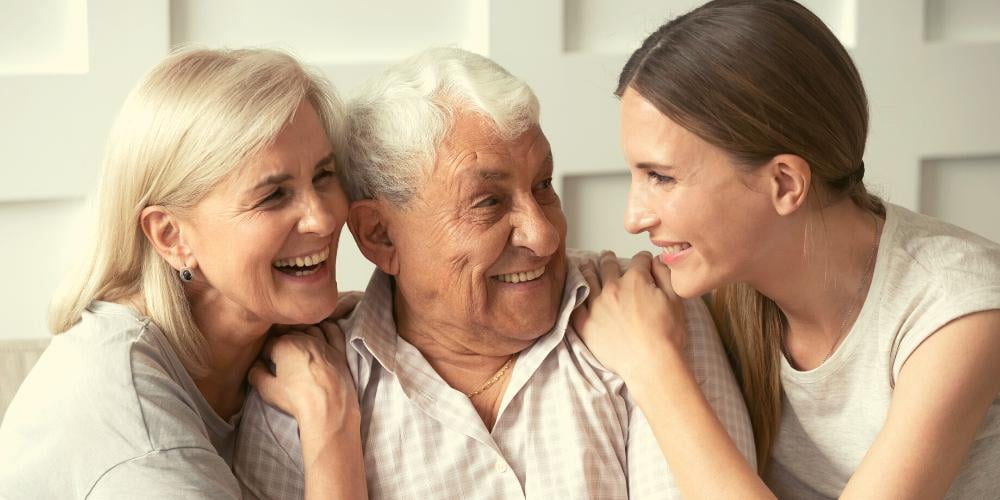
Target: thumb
(661,275)
(259,376)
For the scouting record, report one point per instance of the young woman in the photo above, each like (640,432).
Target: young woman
(866,337)
(218,215)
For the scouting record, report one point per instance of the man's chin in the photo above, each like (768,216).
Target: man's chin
(532,327)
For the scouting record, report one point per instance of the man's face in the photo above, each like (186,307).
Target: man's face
(481,247)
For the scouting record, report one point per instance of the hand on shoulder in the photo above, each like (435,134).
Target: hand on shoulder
(629,319)
(310,379)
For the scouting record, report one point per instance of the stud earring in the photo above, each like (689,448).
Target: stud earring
(186,274)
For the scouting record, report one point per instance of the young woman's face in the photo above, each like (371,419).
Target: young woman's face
(709,218)
(266,237)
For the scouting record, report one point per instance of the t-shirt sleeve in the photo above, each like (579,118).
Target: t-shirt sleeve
(649,475)
(268,457)
(937,310)
(181,473)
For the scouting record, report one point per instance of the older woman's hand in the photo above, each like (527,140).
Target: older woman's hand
(627,320)
(311,380)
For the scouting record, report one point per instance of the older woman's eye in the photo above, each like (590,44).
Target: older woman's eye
(275,195)
(660,179)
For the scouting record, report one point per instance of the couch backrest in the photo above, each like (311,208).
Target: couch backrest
(16,359)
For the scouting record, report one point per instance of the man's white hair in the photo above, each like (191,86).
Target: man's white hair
(399,118)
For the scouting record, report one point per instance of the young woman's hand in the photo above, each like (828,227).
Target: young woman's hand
(629,319)
(310,379)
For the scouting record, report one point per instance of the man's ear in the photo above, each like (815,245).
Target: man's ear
(369,223)
(163,231)
(789,183)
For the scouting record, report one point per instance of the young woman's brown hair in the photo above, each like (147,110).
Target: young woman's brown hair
(759,78)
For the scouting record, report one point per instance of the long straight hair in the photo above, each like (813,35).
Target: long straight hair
(194,118)
(759,78)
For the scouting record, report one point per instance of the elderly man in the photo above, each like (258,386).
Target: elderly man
(472,383)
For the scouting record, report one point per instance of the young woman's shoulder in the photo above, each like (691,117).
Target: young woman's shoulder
(935,273)
(950,256)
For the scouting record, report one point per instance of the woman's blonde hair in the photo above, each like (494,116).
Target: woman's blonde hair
(759,78)
(195,118)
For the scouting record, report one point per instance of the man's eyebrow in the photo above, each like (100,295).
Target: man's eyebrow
(492,175)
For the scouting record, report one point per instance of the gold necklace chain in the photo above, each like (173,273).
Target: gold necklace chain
(869,274)
(496,376)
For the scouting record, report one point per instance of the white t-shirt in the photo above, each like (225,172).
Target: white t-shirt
(110,412)
(927,274)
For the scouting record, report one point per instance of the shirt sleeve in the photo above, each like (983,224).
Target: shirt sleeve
(649,475)
(932,312)
(268,456)
(181,473)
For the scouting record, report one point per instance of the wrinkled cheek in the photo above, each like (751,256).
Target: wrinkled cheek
(477,295)
(261,288)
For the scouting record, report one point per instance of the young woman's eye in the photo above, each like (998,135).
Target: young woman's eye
(659,179)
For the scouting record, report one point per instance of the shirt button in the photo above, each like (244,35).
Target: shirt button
(500,466)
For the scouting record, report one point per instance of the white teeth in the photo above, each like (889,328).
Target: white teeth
(521,276)
(309,260)
(676,248)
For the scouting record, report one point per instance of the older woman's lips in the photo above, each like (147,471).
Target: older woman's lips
(521,277)
(300,267)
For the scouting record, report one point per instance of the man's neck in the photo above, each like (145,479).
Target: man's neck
(463,358)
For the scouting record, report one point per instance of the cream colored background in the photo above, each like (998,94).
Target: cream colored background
(932,69)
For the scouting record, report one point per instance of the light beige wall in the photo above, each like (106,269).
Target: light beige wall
(932,68)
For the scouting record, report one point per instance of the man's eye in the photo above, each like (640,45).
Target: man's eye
(492,201)
(323,174)
(660,179)
(546,184)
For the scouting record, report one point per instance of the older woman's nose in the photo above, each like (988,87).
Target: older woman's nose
(317,216)
(533,230)
(638,217)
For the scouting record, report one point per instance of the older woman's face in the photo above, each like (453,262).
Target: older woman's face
(265,238)
(481,247)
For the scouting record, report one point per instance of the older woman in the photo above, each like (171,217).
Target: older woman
(471,383)
(218,215)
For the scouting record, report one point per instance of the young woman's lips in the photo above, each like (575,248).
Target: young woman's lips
(674,253)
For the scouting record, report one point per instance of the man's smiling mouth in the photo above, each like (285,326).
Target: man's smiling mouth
(520,276)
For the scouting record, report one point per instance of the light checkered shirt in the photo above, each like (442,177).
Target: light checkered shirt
(567,427)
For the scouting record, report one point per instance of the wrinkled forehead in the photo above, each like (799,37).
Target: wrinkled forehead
(474,148)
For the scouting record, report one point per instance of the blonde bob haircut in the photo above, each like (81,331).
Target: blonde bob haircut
(194,119)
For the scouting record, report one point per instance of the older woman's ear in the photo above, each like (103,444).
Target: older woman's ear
(369,225)
(163,231)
